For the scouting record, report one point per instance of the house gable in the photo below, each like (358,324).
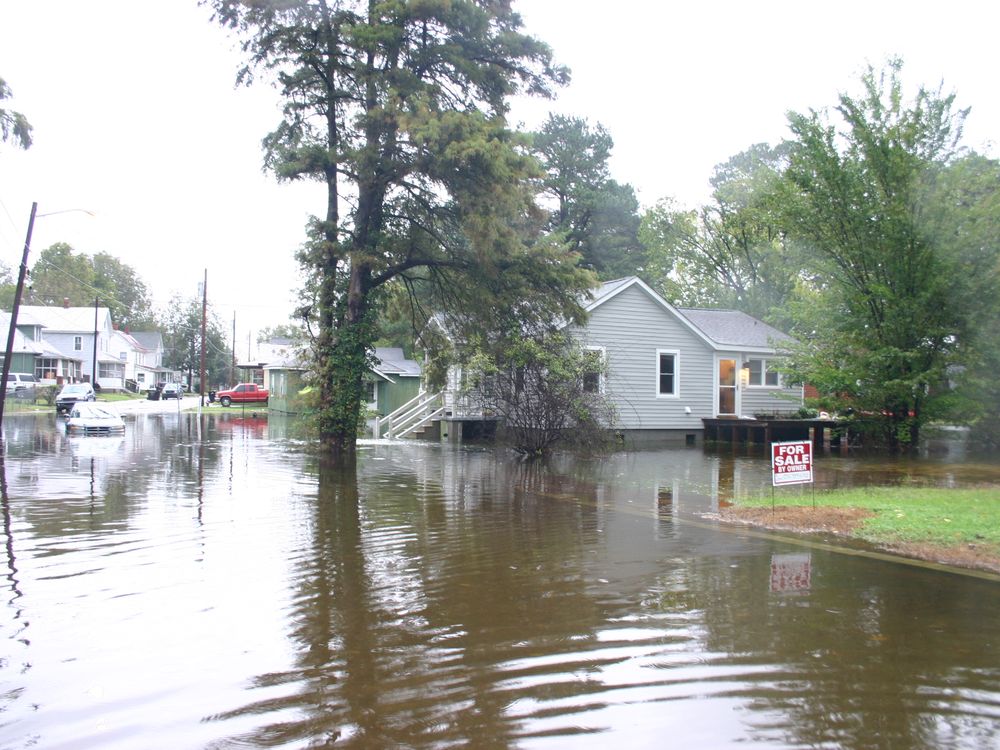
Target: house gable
(634,326)
(609,290)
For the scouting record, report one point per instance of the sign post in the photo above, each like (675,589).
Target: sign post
(791,463)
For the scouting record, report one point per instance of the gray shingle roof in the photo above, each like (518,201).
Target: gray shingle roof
(721,328)
(606,289)
(734,328)
(41,348)
(392,361)
(152,340)
(62,319)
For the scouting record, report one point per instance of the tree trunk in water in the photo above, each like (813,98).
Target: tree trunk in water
(344,365)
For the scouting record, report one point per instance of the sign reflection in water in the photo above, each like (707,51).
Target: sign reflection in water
(214,584)
(791,573)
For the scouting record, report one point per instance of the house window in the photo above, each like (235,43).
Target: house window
(763,374)
(78,343)
(667,373)
(111,370)
(46,369)
(593,373)
(370,391)
(519,376)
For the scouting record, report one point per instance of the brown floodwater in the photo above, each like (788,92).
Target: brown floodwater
(209,583)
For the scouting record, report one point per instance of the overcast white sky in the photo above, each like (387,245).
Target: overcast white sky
(137,118)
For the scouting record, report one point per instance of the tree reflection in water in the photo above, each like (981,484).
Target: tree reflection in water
(441,596)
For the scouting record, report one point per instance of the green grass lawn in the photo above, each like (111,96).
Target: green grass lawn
(119,396)
(912,514)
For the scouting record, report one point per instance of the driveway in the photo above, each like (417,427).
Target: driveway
(145,406)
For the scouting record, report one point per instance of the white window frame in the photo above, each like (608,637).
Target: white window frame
(603,363)
(763,373)
(78,343)
(677,373)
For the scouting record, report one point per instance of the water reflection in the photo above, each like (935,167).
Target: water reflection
(436,597)
(791,573)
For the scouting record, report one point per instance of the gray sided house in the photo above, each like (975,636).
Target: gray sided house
(668,367)
(72,332)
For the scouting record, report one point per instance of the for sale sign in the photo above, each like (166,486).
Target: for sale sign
(791,463)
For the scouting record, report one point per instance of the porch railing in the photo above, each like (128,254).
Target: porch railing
(411,416)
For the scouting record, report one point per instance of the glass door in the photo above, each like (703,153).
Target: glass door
(727,388)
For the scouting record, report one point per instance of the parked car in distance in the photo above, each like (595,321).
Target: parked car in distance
(21,384)
(244,393)
(86,418)
(71,394)
(172,390)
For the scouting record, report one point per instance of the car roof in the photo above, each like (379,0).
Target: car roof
(90,408)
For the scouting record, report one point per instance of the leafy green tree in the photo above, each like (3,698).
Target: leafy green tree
(598,217)
(964,218)
(182,342)
(897,290)
(398,109)
(62,275)
(575,158)
(283,330)
(7,287)
(732,253)
(124,291)
(14,126)
(545,391)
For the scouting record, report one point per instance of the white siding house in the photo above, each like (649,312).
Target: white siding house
(141,355)
(149,369)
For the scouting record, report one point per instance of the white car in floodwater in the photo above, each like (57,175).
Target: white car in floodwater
(89,418)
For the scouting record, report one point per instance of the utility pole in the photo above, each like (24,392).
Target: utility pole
(9,351)
(232,365)
(93,364)
(204,313)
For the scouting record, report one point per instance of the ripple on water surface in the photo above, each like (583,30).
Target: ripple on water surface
(215,585)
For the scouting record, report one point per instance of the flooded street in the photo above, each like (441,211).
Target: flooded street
(208,583)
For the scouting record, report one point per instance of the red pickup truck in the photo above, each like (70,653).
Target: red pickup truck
(244,393)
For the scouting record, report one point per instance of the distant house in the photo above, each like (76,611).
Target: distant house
(286,387)
(31,353)
(263,357)
(72,332)
(141,356)
(149,367)
(392,382)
